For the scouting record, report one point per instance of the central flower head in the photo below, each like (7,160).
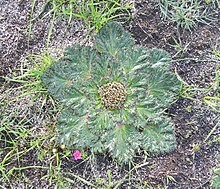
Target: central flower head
(113,95)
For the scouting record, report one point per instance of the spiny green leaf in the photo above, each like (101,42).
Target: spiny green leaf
(73,129)
(112,39)
(75,68)
(159,136)
(122,142)
(83,57)
(163,86)
(216,182)
(159,59)
(101,122)
(132,57)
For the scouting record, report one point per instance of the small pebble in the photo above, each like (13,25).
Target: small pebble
(62,146)
(54,150)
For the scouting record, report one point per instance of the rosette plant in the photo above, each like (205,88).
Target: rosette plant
(114,95)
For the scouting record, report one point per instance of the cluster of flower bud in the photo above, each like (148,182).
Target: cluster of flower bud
(112,95)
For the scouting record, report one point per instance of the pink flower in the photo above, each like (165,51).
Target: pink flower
(77,155)
(119,124)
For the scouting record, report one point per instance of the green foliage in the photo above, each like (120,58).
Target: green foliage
(216,179)
(159,136)
(86,122)
(186,13)
(111,39)
(30,78)
(17,140)
(94,13)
